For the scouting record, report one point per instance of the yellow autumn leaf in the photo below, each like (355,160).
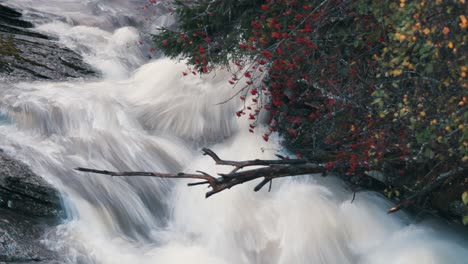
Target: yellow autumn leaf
(397,72)
(450,45)
(464,22)
(465,197)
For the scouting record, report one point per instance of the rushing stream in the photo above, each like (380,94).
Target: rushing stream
(143,115)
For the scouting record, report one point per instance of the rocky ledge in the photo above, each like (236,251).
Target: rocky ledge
(29,55)
(28,207)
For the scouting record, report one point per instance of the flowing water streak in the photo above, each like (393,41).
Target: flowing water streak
(155,119)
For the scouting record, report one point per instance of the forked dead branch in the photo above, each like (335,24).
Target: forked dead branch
(271,169)
(267,171)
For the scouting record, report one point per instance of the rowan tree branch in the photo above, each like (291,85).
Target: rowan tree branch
(270,170)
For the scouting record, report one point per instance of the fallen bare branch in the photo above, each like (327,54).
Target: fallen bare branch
(257,162)
(271,169)
(203,176)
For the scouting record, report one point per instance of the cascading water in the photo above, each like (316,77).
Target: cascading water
(145,116)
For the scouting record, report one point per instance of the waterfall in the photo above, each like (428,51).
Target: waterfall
(144,115)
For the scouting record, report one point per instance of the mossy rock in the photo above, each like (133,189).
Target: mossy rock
(29,55)
(8,48)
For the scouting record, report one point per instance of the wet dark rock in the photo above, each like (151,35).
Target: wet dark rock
(10,17)
(24,192)
(19,239)
(459,209)
(9,12)
(28,207)
(30,55)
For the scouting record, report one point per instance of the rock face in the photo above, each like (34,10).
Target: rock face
(19,239)
(28,207)
(29,55)
(24,192)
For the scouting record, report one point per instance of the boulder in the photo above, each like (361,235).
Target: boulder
(28,207)
(29,55)
(20,239)
(26,193)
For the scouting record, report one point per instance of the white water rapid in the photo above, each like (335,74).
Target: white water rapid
(143,115)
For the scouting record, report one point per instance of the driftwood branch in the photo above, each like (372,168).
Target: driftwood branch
(269,170)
